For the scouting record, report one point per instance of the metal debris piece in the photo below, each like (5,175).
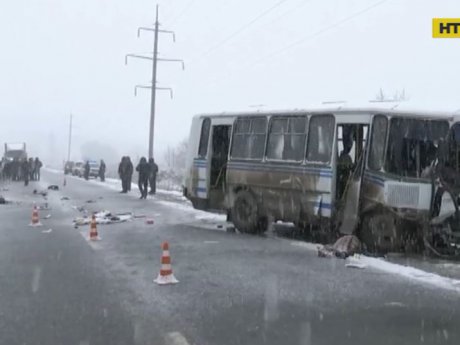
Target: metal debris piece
(103,217)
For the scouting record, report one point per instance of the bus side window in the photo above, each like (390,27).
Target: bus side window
(204,138)
(286,138)
(377,148)
(249,138)
(320,138)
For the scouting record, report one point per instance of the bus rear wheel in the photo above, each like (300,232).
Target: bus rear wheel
(246,215)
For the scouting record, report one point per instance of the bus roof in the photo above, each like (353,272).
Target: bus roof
(340,110)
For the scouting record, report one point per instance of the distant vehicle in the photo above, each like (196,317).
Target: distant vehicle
(93,169)
(15,150)
(68,167)
(78,169)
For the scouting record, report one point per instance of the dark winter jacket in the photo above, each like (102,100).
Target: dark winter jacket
(144,169)
(153,167)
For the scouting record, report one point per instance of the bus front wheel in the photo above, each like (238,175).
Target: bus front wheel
(380,233)
(246,214)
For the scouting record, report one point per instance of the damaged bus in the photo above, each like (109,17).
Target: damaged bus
(370,172)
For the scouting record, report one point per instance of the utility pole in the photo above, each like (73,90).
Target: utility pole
(70,138)
(153,87)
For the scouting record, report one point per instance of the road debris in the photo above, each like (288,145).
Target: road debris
(48,216)
(53,187)
(80,209)
(2,200)
(103,217)
(47,231)
(344,247)
(42,193)
(44,206)
(65,198)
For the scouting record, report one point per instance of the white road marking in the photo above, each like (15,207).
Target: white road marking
(47,231)
(395,304)
(175,338)
(211,242)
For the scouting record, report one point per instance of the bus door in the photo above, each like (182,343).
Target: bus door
(351,144)
(220,144)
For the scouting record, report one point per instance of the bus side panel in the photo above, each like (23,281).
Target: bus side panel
(408,197)
(192,171)
(199,178)
(285,191)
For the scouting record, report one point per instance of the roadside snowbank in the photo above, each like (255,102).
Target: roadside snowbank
(408,272)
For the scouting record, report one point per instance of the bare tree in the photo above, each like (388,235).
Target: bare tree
(398,96)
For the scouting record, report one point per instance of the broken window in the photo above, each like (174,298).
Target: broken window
(320,138)
(454,148)
(413,145)
(249,138)
(204,138)
(377,148)
(286,138)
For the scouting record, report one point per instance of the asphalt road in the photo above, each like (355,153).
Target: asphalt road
(56,287)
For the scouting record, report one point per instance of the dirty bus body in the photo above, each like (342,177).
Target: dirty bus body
(314,168)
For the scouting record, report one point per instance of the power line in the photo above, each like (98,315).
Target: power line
(319,32)
(306,38)
(183,12)
(303,3)
(244,27)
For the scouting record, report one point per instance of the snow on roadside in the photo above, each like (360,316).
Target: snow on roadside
(184,205)
(201,215)
(380,264)
(54,171)
(115,184)
(407,272)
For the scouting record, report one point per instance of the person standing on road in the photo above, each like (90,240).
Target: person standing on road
(144,171)
(38,166)
(153,176)
(102,170)
(86,172)
(129,171)
(122,173)
(25,167)
(31,169)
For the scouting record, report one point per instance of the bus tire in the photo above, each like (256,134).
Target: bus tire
(380,233)
(245,213)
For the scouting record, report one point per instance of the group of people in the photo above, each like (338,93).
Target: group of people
(21,169)
(100,173)
(147,175)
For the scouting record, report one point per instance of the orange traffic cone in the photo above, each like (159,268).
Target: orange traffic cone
(166,275)
(93,235)
(35,218)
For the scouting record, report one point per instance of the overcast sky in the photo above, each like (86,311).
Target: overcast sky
(67,56)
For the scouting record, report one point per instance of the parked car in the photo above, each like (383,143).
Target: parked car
(68,167)
(78,169)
